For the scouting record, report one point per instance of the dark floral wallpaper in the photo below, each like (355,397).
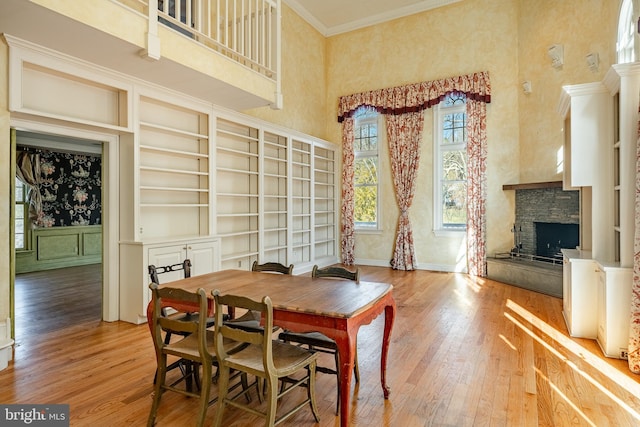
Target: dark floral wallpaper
(70,188)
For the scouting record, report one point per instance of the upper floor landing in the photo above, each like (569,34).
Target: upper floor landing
(223,51)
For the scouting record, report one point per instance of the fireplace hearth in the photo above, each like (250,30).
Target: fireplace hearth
(546,220)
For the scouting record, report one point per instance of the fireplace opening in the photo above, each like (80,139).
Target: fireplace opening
(552,236)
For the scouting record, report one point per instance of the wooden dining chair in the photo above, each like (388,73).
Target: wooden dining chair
(250,321)
(319,342)
(196,345)
(190,373)
(265,358)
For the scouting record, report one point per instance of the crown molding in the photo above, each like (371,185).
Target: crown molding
(366,21)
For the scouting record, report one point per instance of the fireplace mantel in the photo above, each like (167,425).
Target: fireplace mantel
(533,185)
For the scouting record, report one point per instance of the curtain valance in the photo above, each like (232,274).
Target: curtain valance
(416,96)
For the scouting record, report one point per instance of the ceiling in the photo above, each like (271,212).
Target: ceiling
(331,17)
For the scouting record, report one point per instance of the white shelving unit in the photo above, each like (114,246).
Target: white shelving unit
(324,198)
(167,188)
(174,171)
(237,192)
(601,155)
(301,201)
(274,198)
(221,189)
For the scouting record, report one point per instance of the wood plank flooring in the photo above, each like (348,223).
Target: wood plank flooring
(464,352)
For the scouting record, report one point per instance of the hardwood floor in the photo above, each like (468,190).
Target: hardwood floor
(464,352)
(51,300)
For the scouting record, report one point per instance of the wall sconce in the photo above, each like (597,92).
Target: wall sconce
(593,61)
(526,87)
(556,53)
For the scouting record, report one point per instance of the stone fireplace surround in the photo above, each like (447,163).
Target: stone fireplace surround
(544,203)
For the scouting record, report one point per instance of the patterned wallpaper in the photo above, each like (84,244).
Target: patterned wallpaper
(71,189)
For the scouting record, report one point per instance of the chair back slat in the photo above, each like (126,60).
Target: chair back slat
(263,307)
(274,267)
(154,270)
(336,272)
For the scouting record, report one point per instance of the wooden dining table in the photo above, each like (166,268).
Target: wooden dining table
(336,308)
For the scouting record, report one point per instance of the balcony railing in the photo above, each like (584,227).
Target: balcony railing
(247,31)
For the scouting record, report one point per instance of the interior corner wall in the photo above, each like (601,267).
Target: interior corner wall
(541,24)
(303,79)
(6,253)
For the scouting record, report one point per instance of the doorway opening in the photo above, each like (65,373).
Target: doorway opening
(91,285)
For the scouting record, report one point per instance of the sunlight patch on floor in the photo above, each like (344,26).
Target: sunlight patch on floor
(565,398)
(575,348)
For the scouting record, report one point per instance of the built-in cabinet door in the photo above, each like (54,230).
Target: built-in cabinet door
(203,256)
(580,294)
(614,300)
(168,255)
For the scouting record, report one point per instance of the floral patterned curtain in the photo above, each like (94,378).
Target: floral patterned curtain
(28,171)
(348,241)
(404,133)
(412,99)
(476,187)
(634,326)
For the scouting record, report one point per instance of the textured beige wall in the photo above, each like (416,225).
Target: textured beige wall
(303,78)
(544,23)
(470,36)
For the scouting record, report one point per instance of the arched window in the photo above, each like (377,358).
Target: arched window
(366,180)
(626,33)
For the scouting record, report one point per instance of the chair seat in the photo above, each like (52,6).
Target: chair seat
(287,358)
(313,339)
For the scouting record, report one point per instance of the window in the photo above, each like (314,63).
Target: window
(626,33)
(22,213)
(450,155)
(366,188)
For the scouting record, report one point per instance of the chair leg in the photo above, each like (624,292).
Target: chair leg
(260,389)
(245,385)
(167,338)
(272,400)
(311,391)
(223,389)
(188,374)
(161,373)
(204,393)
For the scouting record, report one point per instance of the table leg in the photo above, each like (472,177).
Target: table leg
(389,317)
(346,352)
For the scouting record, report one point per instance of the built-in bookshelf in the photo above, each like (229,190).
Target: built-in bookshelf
(324,198)
(275,198)
(237,192)
(616,176)
(174,170)
(301,201)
